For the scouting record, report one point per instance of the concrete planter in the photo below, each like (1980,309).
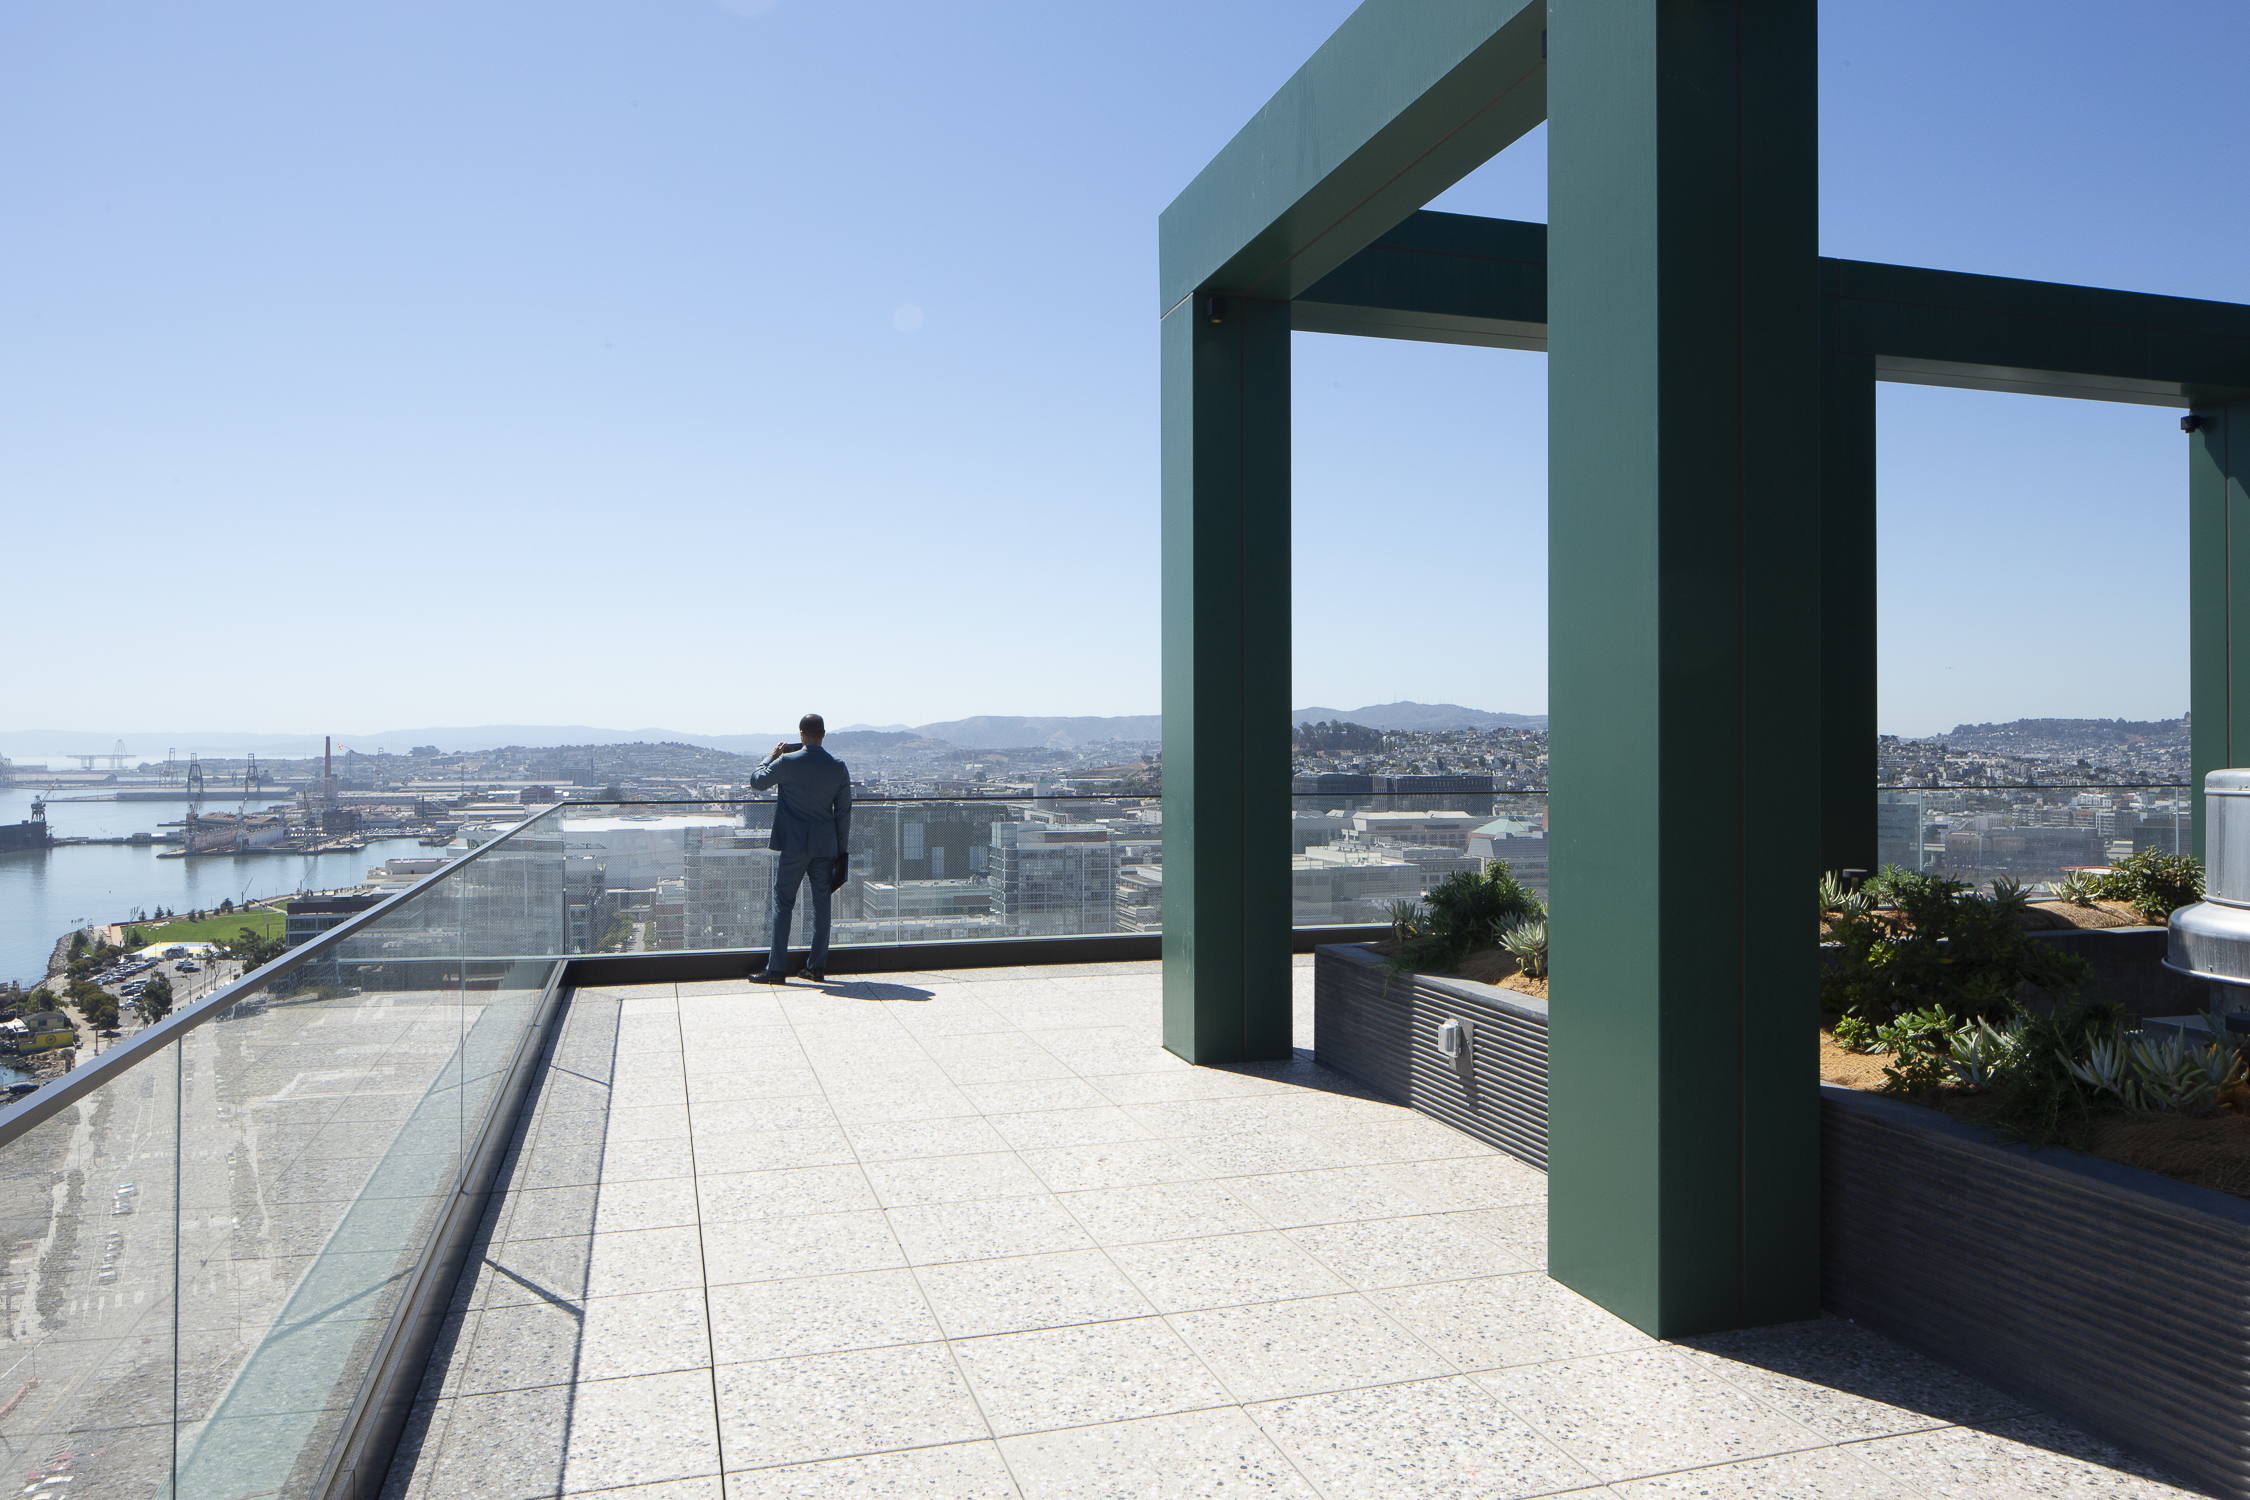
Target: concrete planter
(2110,1296)
(1380,1026)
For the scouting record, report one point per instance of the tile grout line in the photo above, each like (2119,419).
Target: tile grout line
(702,1258)
(913,1274)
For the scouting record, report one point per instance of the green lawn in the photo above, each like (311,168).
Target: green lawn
(224,927)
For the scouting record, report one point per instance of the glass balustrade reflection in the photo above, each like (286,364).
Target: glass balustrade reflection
(208,1251)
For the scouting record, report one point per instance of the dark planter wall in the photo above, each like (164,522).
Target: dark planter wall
(2129,968)
(2111,1296)
(1380,1026)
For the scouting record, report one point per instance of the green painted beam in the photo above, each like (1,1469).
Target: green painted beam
(1684,379)
(1455,278)
(1226,680)
(1439,278)
(1406,99)
(2218,593)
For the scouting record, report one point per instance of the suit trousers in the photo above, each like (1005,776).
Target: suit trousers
(797,867)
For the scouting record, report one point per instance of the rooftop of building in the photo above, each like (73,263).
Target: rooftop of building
(975,1233)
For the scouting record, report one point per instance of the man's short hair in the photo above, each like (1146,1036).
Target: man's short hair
(812,724)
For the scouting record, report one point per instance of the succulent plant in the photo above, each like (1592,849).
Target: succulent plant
(1526,943)
(2075,886)
(1405,918)
(1979,1051)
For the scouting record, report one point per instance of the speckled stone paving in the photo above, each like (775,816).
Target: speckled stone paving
(976,1234)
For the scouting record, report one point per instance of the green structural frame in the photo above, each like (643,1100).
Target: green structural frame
(1712,569)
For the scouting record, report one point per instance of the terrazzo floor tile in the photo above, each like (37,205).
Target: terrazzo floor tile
(1095,1372)
(1224,1271)
(544,1213)
(1047,1129)
(1109,1164)
(818,1315)
(1815,1474)
(1846,1382)
(1275,1349)
(891,1106)
(773,1150)
(1628,1415)
(644,1260)
(1169,1211)
(1206,1455)
(939,1232)
(1431,1438)
(834,1405)
(1037,1095)
(728,1117)
(650,1203)
(740,1197)
(542,1343)
(1337,1195)
(951,1179)
(895,1140)
(2035,1458)
(1520,1229)
(770,1249)
(1508,1320)
(507,1446)
(640,1430)
(1405,1252)
(973,1298)
(954,1471)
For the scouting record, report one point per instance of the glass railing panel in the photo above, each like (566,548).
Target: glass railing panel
(2031,835)
(654,877)
(1355,855)
(88,1370)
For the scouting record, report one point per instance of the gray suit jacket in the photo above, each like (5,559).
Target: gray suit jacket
(814,813)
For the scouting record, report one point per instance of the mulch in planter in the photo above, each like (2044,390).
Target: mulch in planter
(2211,1151)
(1492,966)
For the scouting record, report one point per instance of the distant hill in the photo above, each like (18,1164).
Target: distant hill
(2023,736)
(998,732)
(1419,716)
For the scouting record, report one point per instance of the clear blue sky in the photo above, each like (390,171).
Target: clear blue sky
(678,362)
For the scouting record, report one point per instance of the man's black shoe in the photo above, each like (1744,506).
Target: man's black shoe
(816,976)
(761,977)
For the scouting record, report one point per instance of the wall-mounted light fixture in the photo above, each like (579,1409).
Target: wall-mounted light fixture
(1218,309)
(1453,1038)
(2187,423)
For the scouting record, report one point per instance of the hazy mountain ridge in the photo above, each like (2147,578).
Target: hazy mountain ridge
(981,732)
(1410,715)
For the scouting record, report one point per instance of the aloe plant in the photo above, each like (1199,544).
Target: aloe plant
(1405,918)
(2161,1073)
(2075,886)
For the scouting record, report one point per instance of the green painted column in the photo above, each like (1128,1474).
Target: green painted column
(2218,593)
(1847,611)
(1226,680)
(1685,628)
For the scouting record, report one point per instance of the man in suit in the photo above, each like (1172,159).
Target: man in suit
(812,823)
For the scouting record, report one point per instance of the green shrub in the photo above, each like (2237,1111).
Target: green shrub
(1940,944)
(1466,912)
(2155,885)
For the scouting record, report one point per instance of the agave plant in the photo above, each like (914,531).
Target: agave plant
(1526,943)
(2075,886)
(1844,903)
(1405,918)
(2161,1072)
(1980,1051)
(2009,894)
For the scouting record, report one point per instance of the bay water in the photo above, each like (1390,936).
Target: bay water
(44,894)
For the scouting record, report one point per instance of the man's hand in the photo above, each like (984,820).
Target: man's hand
(784,748)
